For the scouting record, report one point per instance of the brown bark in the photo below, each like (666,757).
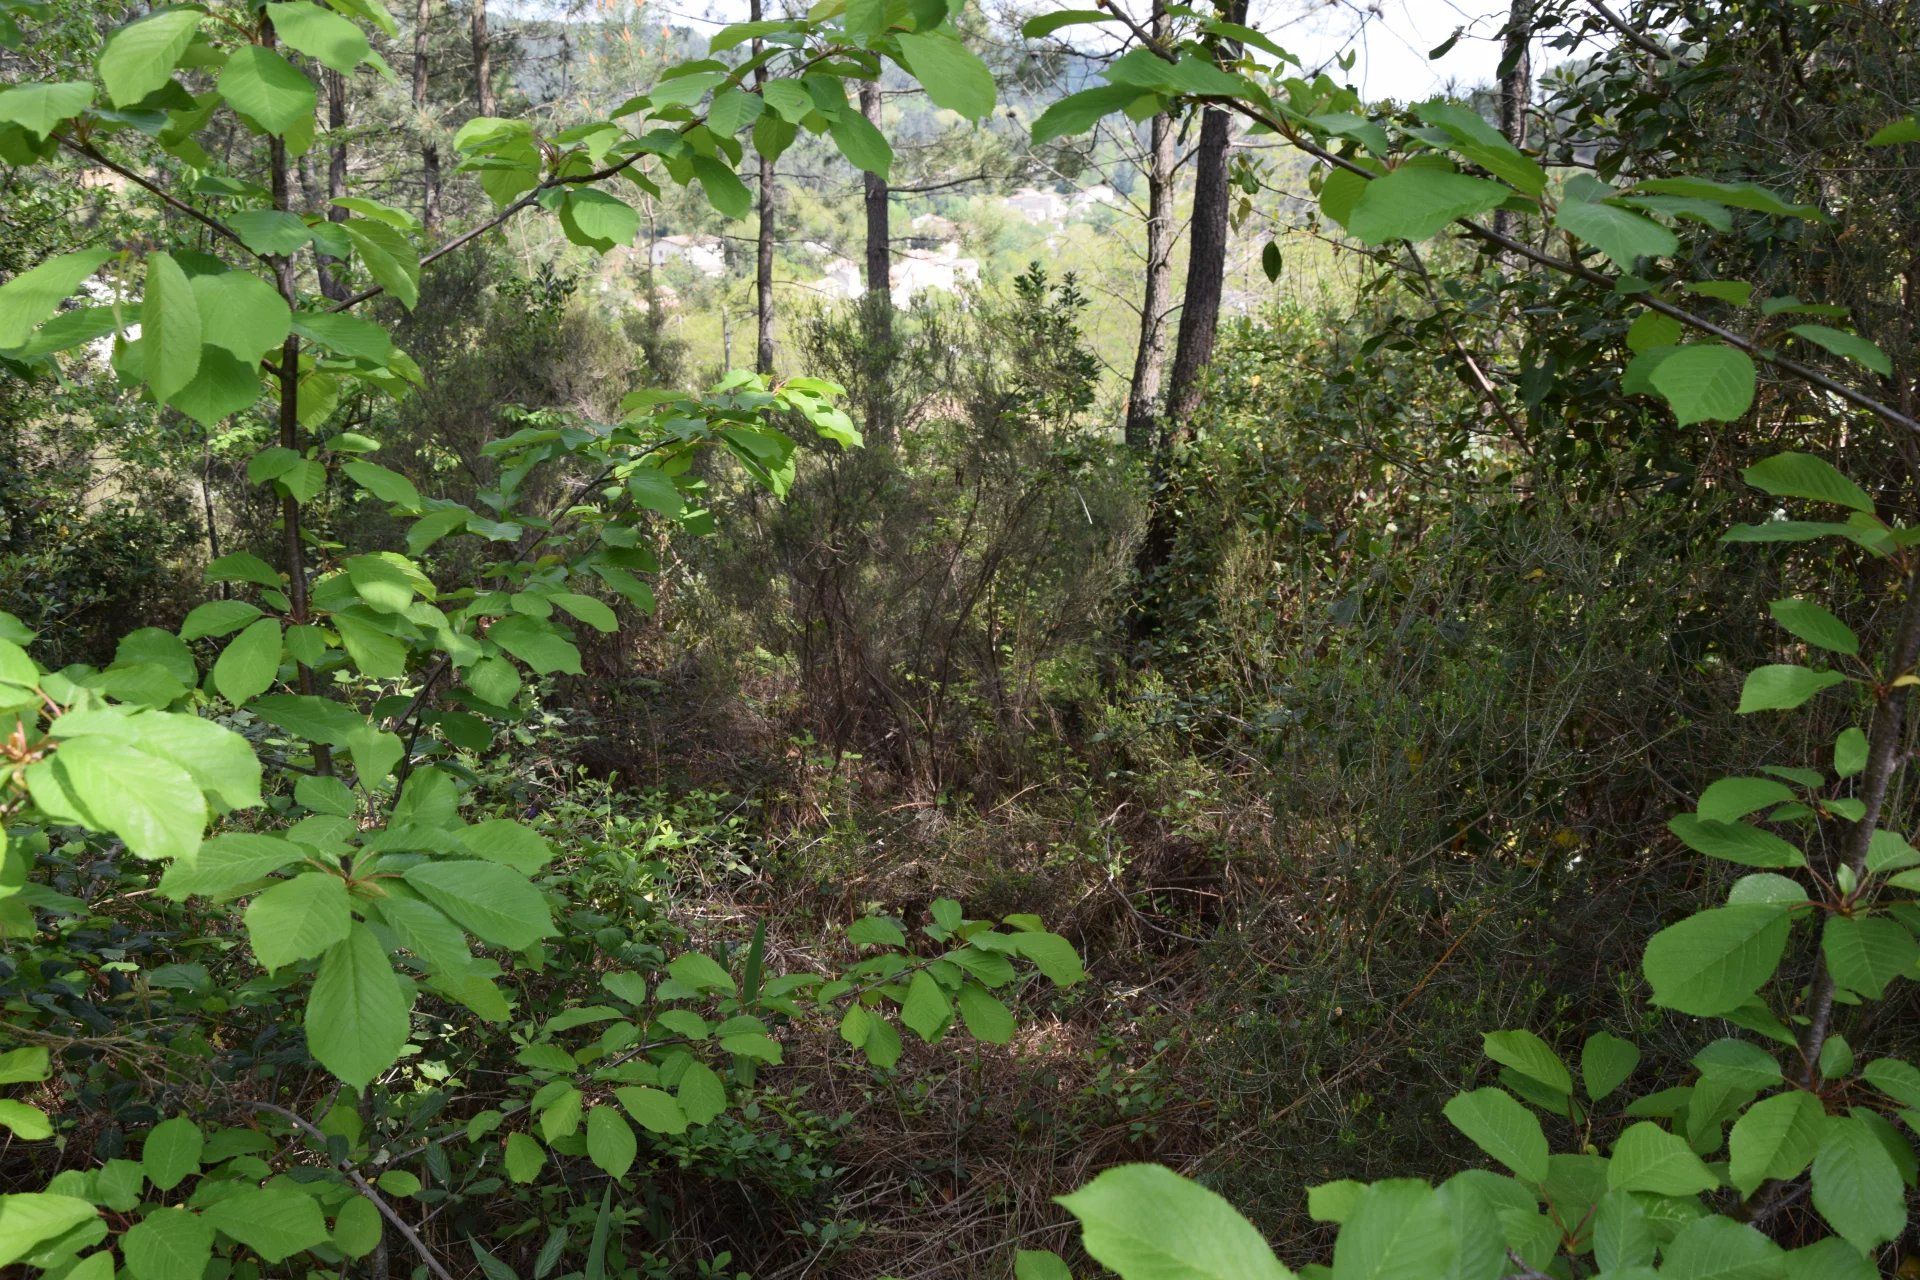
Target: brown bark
(1150,359)
(429,140)
(877,305)
(482,61)
(763,246)
(333,281)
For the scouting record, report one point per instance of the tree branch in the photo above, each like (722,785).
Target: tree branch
(218,227)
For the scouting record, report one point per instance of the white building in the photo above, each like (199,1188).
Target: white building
(1037,207)
(705,254)
(922,269)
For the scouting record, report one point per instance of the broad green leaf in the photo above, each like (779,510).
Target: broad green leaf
(536,643)
(926,1009)
(524,1158)
(1801,475)
(496,903)
(610,1141)
(1866,953)
(953,76)
(271,231)
(986,1018)
(241,314)
(1606,1061)
(1856,1186)
(356,1017)
(29,1124)
(1731,799)
(1043,25)
(1502,1128)
(1783,686)
(24,1066)
(226,862)
(1734,842)
(1078,112)
(864,146)
(389,487)
(1714,1248)
(1648,1158)
(1849,752)
(586,609)
(1144,1222)
(248,666)
(597,220)
(1710,963)
(1039,1264)
(1398,1230)
(1416,203)
(1476,140)
(1829,1259)
(877,931)
(1849,345)
(171,1152)
(42,108)
(1622,1235)
(169,327)
(32,1218)
(33,296)
(1816,625)
(1621,234)
(1052,955)
(357,1227)
(724,189)
(1705,382)
(217,618)
(267,89)
(1740,195)
(274,1222)
(152,805)
(344,335)
(701,1093)
(700,971)
(323,36)
(298,919)
(168,1244)
(1531,1056)
(653,1109)
(1774,1138)
(505,841)
(140,57)
(388,256)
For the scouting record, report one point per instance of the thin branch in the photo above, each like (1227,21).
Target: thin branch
(366,1189)
(218,227)
(1634,35)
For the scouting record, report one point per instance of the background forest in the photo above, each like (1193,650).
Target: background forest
(1161,653)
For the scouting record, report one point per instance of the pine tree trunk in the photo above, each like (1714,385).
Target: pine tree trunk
(763,248)
(1149,362)
(429,140)
(332,281)
(878,303)
(482,61)
(1516,87)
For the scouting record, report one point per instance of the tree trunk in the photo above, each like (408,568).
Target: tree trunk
(878,303)
(333,281)
(1149,361)
(763,249)
(429,139)
(1516,87)
(482,61)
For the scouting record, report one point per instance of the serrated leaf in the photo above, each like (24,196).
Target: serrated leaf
(1776,1137)
(1711,963)
(1783,686)
(1801,475)
(1648,1158)
(1502,1128)
(1144,1222)
(357,1016)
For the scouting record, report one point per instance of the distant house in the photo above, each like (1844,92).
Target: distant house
(1094,196)
(1037,207)
(920,270)
(705,254)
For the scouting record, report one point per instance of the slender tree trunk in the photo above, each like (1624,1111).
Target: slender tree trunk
(1149,362)
(1516,87)
(1192,351)
(482,61)
(878,304)
(429,139)
(333,281)
(763,249)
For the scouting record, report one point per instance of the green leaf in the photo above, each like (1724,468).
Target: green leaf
(864,146)
(32,296)
(1606,1061)
(926,1009)
(1039,1264)
(217,618)
(29,1124)
(356,1227)
(724,189)
(298,919)
(1531,1056)
(1052,955)
(588,610)
(1774,1138)
(389,487)
(1816,625)
(270,231)
(1621,234)
(653,1109)
(1856,1185)
(357,1014)
(168,1244)
(1866,953)
(986,1018)
(1079,112)
(536,643)
(1043,25)
(42,108)
(496,903)
(226,862)
(1829,1259)
(1848,345)
(597,220)
(1711,963)
(1399,1230)
(24,1066)
(1731,799)
(169,327)
(267,89)
(1801,475)
(32,1218)
(701,1093)
(1476,140)
(171,1152)
(1783,686)
(1905,129)
(388,256)
(274,1222)
(344,335)
(241,314)
(249,665)
(505,841)
(877,931)
(1502,1128)
(1704,382)
(1734,842)
(152,805)
(610,1141)
(1416,203)
(1648,1158)
(1148,1223)
(326,37)
(1714,1248)
(1740,195)
(524,1158)
(953,76)
(1849,752)
(139,58)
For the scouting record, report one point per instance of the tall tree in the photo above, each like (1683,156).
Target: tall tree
(332,283)
(1516,87)
(429,136)
(483,60)
(1149,361)
(878,303)
(763,246)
